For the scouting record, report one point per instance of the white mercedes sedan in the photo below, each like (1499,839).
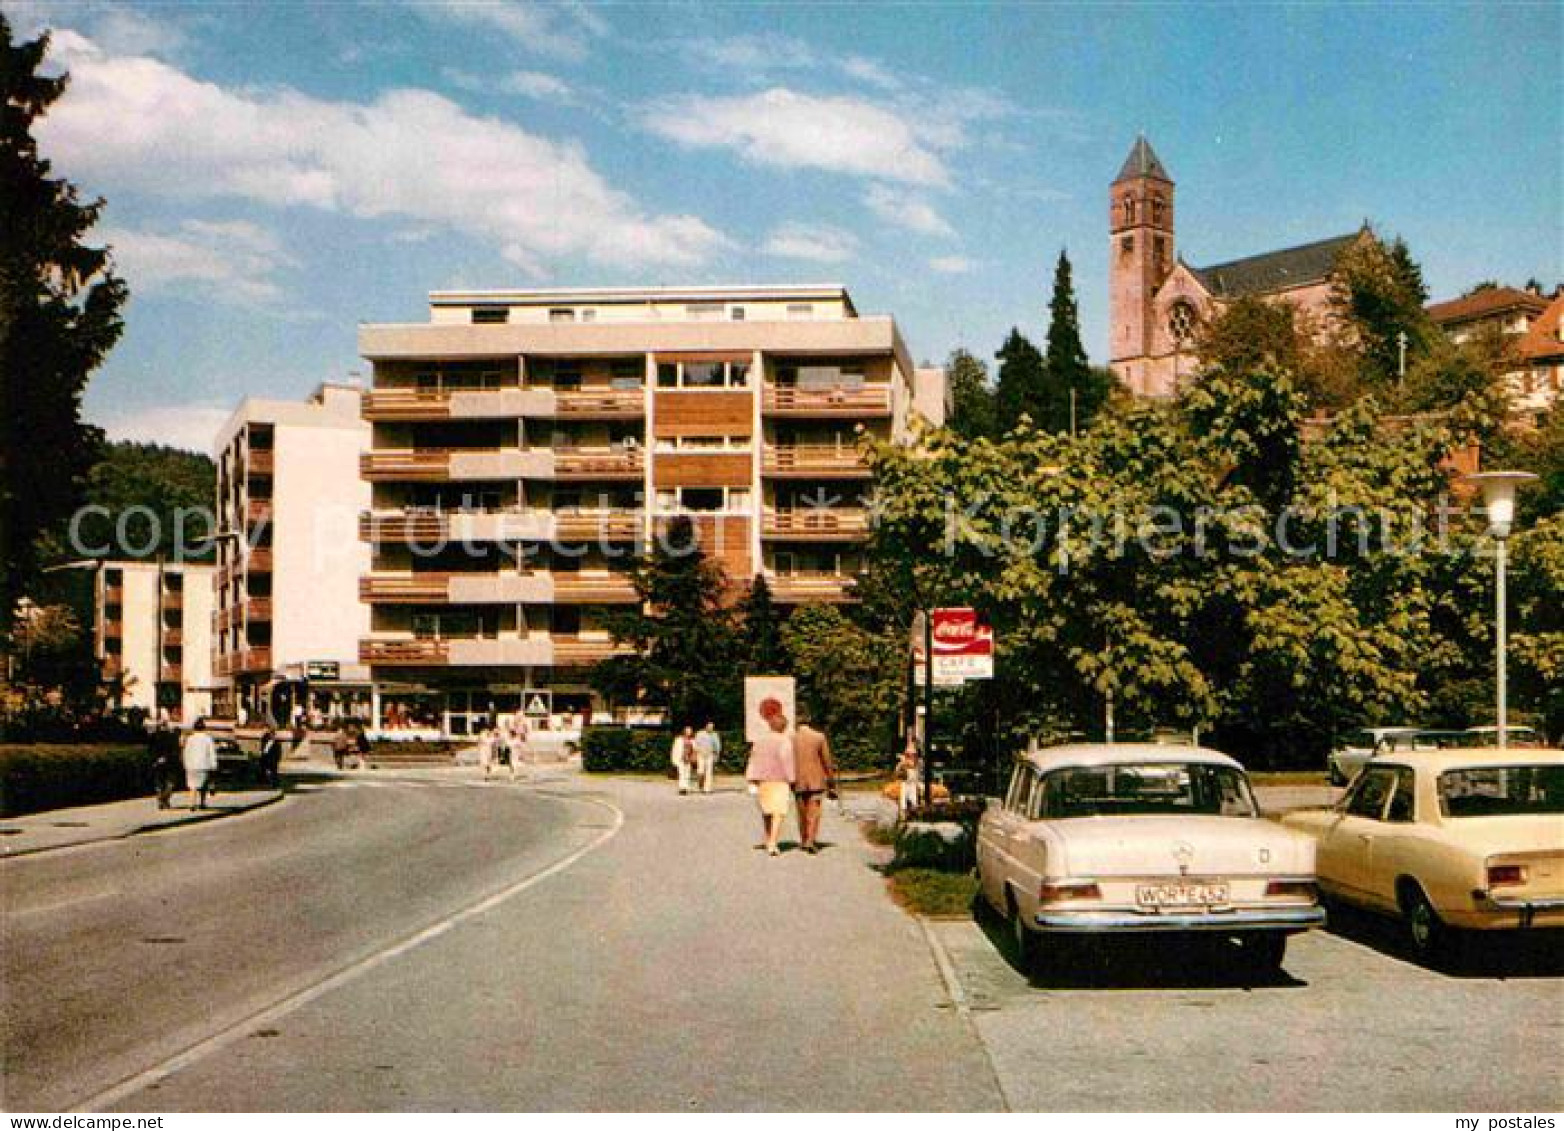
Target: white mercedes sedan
(1140,839)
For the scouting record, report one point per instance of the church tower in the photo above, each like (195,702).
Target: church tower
(1140,223)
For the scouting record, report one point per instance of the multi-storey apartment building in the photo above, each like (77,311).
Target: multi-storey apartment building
(525,442)
(288,497)
(153,632)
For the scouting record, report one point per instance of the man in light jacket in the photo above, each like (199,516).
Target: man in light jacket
(814,779)
(200,759)
(708,749)
(682,755)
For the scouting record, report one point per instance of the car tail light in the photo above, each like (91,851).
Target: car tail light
(1068,889)
(1297,889)
(1506,875)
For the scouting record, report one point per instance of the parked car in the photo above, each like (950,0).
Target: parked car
(1132,839)
(1520,736)
(1361,745)
(1469,839)
(234,764)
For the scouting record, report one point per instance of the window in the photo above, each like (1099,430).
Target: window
(1368,796)
(1182,322)
(1402,807)
(700,498)
(562,314)
(1019,783)
(589,315)
(1170,787)
(800,310)
(737,314)
(1502,791)
(705,500)
(627,373)
(490,315)
(704,311)
(1126,246)
(702,374)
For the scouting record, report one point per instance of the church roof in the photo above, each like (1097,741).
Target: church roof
(1275,270)
(1142,162)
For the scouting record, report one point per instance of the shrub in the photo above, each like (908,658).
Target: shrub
(607,750)
(36,778)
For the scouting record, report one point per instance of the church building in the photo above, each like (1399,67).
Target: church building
(1157,301)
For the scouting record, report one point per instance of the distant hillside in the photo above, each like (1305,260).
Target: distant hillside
(144,487)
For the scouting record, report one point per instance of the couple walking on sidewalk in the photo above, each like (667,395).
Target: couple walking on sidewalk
(790,768)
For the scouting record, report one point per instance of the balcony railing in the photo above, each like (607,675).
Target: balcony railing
(810,588)
(601,523)
(112,667)
(114,595)
(114,629)
(173,599)
(261,461)
(422,526)
(407,404)
(623,404)
(406,588)
(812,460)
(836,401)
(592,587)
(406,463)
(409,651)
(245,660)
(598,463)
(816,522)
(258,510)
(172,673)
(173,637)
(258,608)
(575,650)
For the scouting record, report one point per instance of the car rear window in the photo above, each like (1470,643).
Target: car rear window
(1501,791)
(1146,788)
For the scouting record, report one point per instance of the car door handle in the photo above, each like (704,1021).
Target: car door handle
(1366,838)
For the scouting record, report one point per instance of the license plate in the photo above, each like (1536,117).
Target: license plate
(1181,894)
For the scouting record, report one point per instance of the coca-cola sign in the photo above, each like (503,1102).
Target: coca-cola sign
(963,646)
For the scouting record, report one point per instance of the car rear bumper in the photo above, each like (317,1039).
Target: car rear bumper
(1286,919)
(1510,912)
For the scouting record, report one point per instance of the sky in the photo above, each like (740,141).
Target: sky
(276,173)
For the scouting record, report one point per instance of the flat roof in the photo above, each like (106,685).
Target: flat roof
(633,295)
(1455,758)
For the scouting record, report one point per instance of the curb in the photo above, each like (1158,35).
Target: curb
(140,830)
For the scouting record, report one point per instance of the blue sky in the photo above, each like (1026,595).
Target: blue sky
(277,173)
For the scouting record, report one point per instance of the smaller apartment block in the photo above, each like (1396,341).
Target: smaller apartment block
(153,632)
(525,442)
(288,497)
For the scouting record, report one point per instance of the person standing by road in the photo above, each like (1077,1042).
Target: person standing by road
(271,756)
(516,744)
(683,755)
(200,759)
(814,779)
(164,746)
(771,772)
(909,771)
(487,740)
(340,745)
(708,749)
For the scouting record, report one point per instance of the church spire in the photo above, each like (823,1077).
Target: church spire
(1142,162)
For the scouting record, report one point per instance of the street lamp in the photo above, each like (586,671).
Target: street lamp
(1498,488)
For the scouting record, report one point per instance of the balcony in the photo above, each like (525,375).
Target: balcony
(114,595)
(600,404)
(598,463)
(836,403)
(249,661)
(404,588)
(570,650)
(260,560)
(407,404)
(258,608)
(261,461)
(114,629)
(258,510)
(402,651)
(172,673)
(813,461)
(173,638)
(420,526)
(822,524)
(599,588)
(812,588)
(610,523)
(406,463)
(427,527)
(173,598)
(112,667)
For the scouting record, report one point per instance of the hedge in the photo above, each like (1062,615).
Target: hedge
(39,777)
(645,750)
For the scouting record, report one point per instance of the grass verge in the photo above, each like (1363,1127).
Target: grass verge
(939,895)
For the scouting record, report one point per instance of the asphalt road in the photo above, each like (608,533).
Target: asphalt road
(614,946)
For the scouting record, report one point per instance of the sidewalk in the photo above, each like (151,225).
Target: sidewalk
(88,824)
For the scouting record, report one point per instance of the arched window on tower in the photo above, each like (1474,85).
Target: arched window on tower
(1158,209)
(1183,321)
(1128,205)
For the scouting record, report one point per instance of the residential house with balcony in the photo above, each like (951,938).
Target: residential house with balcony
(152,632)
(526,443)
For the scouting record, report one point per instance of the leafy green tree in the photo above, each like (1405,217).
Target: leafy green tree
(683,636)
(761,629)
(1023,377)
(59,316)
(1068,372)
(1379,294)
(1250,334)
(850,677)
(972,408)
(1537,641)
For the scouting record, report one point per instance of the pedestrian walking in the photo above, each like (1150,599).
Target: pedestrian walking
(301,737)
(487,740)
(340,745)
(909,771)
(516,744)
(770,772)
(708,749)
(271,756)
(164,747)
(200,760)
(683,755)
(814,779)
(361,747)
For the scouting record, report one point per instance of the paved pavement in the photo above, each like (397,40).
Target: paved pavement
(88,824)
(445,943)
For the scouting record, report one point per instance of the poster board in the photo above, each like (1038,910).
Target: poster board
(758,688)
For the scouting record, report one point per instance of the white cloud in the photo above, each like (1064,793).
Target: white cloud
(868,71)
(786,129)
(231,261)
(564,30)
(190,426)
(115,26)
(536,84)
(908,210)
(134,123)
(761,52)
(818,243)
(951,264)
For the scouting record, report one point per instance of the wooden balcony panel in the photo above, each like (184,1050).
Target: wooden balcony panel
(432,464)
(114,595)
(403,526)
(173,638)
(253,660)
(258,608)
(618,525)
(813,460)
(258,510)
(404,589)
(832,403)
(172,673)
(407,404)
(410,652)
(261,462)
(570,587)
(574,650)
(600,404)
(112,667)
(824,523)
(812,588)
(173,599)
(114,629)
(598,463)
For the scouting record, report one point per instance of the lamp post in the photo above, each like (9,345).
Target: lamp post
(1498,488)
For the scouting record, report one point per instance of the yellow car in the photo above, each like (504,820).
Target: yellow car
(1465,839)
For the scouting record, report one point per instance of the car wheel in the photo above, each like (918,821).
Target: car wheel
(1264,954)
(1026,941)
(1425,931)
